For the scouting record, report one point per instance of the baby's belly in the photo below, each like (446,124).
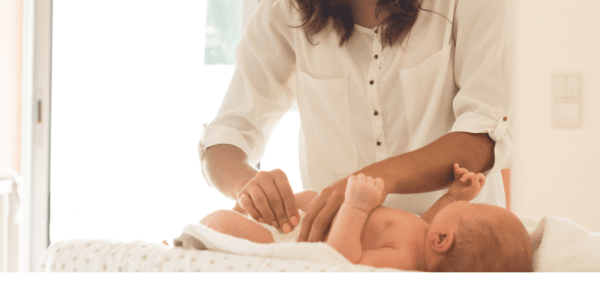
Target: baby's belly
(387,227)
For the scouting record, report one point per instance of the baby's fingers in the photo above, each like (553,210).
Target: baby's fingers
(481,179)
(468,176)
(459,172)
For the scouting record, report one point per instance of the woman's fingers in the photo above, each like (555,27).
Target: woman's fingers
(313,209)
(322,222)
(288,199)
(320,214)
(274,202)
(269,198)
(247,205)
(260,202)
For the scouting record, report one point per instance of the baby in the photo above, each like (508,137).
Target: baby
(453,235)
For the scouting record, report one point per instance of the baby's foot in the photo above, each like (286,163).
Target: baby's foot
(364,192)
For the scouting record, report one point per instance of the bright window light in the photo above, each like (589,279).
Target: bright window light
(131,88)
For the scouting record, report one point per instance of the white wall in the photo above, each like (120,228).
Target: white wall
(11,18)
(556,171)
(11,29)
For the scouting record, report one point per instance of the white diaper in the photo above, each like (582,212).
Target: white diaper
(290,237)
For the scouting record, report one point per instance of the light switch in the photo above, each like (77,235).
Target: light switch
(566,115)
(559,86)
(573,87)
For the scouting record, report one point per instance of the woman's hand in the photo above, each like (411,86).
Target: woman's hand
(321,211)
(268,198)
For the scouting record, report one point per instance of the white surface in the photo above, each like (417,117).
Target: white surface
(5,186)
(126,123)
(216,241)
(555,171)
(559,245)
(35,144)
(139,256)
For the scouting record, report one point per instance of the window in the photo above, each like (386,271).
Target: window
(132,84)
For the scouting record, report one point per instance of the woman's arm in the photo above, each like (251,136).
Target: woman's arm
(431,167)
(228,169)
(426,169)
(265,196)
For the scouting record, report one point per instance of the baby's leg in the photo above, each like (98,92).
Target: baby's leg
(234,224)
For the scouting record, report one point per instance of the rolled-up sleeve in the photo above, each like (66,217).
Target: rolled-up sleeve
(483,70)
(262,87)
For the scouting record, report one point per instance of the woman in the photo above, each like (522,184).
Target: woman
(398,90)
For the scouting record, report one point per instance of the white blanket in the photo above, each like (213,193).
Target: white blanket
(216,241)
(559,245)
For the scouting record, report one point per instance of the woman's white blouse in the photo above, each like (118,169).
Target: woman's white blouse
(362,103)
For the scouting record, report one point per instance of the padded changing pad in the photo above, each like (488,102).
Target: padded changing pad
(559,245)
(139,256)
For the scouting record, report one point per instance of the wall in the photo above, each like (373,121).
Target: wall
(556,171)
(11,29)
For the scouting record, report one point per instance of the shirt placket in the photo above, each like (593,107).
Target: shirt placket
(373,97)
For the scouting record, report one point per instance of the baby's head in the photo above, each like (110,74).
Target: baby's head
(477,238)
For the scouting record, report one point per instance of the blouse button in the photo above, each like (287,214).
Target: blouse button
(376,56)
(376,113)
(505,118)
(371,82)
(376,30)
(378,143)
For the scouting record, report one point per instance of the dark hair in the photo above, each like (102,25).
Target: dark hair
(316,14)
(479,246)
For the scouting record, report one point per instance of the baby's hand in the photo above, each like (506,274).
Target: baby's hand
(364,192)
(466,185)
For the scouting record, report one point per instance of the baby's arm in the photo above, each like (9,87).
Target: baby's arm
(466,187)
(363,194)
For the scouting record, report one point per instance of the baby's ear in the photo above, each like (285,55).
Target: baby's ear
(440,242)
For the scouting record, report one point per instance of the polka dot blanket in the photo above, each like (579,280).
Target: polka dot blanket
(139,256)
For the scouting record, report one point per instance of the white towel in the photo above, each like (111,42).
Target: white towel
(216,241)
(561,245)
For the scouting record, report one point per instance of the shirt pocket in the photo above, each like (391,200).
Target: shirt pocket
(428,90)
(325,116)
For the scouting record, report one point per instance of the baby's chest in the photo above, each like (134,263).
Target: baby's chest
(391,228)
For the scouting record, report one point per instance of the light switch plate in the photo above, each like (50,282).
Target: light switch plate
(566,115)
(559,86)
(573,87)
(566,86)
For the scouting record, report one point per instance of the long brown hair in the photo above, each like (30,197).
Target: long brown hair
(316,14)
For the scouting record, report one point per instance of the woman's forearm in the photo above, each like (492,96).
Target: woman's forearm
(431,167)
(227,168)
